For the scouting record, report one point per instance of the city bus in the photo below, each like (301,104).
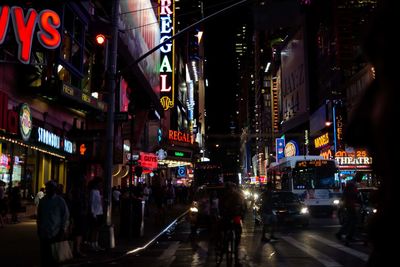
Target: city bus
(314,179)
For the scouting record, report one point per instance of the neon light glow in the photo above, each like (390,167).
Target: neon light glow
(24,26)
(167,21)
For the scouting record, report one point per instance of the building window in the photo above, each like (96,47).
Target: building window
(74,66)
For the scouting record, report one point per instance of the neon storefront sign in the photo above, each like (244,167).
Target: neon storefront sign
(180,137)
(166,15)
(24,26)
(25,121)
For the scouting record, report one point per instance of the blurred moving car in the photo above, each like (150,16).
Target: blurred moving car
(367,206)
(288,208)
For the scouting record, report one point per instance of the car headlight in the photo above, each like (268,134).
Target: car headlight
(194,209)
(336,202)
(255,195)
(246,193)
(374,210)
(304,210)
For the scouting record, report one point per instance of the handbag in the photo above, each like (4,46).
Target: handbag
(61,251)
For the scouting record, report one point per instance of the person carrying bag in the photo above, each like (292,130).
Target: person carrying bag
(52,224)
(61,251)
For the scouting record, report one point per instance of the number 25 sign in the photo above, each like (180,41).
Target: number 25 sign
(24,28)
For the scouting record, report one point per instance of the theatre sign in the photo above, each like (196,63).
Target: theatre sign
(24,27)
(359,159)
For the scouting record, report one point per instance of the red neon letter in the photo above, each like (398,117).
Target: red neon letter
(23,30)
(48,35)
(4,15)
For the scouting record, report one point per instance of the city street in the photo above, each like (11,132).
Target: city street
(314,246)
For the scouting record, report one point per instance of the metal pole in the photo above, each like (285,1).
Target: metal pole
(111,85)
(131,176)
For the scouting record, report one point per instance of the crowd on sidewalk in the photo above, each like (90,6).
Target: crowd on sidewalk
(79,215)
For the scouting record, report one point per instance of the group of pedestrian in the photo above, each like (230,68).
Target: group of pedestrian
(10,202)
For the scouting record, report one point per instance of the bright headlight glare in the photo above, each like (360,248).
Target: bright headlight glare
(304,210)
(255,196)
(194,209)
(374,210)
(336,202)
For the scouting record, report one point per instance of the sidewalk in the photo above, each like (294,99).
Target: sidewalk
(19,244)
(122,244)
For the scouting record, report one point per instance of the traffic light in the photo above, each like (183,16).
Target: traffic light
(99,63)
(100,39)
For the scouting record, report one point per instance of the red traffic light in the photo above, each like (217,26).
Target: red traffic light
(100,39)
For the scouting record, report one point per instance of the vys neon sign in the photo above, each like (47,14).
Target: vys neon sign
(24,27)
(166,67)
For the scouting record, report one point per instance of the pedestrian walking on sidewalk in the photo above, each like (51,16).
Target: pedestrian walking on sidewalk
(95,220)
(77,204)
(52,222)
(15,203)
(38,197)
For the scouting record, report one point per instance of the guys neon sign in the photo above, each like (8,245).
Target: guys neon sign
(167,57)
(24,27)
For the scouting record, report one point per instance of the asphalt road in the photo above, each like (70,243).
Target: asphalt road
(314,246)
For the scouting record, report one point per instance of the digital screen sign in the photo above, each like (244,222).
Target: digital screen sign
(314,163)
(179,153)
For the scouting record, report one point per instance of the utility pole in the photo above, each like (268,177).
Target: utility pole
(111,85)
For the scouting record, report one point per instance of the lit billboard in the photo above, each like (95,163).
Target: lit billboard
(166,16)
(140,33)
(294,82)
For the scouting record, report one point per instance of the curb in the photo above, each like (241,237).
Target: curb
(128,252)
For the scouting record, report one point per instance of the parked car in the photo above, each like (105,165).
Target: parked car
(366,206)
(287,207)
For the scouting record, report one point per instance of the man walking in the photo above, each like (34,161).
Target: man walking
(52,222)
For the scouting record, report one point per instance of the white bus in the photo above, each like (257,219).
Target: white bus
(314,179)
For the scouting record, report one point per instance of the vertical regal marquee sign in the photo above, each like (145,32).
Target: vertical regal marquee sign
(167,20)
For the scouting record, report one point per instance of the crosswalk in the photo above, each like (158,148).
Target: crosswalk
(313,247)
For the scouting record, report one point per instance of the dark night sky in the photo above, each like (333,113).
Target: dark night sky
(219,69)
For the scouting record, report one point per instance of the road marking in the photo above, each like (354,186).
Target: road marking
(322,258)
(348,250)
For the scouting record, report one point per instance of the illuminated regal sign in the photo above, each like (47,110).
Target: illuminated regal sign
(180,136)
(166,14)
(24,26)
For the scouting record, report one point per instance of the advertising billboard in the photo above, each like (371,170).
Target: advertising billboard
(294,81)
(140,32)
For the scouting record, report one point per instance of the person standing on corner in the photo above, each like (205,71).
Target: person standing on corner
(95,213)
(52,222)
